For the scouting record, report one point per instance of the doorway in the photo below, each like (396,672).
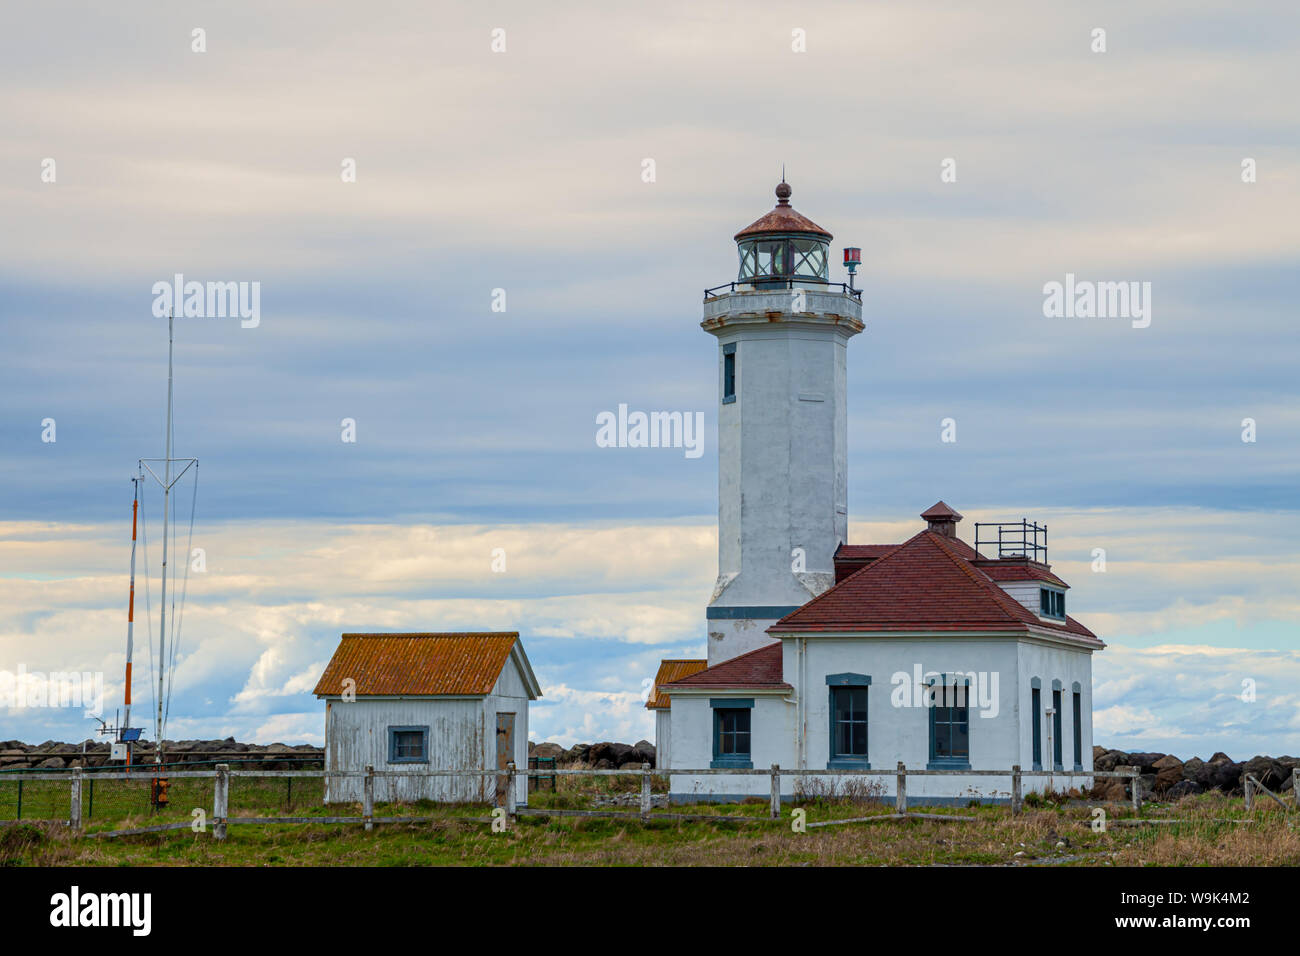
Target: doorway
(505,753)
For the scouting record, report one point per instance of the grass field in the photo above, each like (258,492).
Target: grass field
(1212,830)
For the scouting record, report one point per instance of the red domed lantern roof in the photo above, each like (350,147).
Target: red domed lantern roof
(783,219)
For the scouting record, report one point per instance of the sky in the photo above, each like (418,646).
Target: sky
(586,166)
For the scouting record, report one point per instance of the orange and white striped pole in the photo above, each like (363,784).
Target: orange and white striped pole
(130,620)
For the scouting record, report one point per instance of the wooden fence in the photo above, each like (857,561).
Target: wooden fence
(222,774)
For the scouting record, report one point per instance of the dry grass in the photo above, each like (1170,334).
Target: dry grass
(1056,833)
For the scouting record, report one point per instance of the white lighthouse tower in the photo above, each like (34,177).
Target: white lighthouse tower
(783,331)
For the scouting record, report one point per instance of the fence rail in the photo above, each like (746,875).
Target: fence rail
(221,776)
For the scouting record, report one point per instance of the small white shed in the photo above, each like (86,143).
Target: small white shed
(443,701)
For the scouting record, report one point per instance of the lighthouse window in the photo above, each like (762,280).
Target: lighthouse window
(728,374)
(809,258)
(771,258)
(748,261)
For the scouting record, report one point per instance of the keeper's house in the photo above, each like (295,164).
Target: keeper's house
(927,653)
(452,701)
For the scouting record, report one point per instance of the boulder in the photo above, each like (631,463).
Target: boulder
(1169,771)
(1111,789)
(577,753)
(1267,771)
(1110,760)
(616,754)
(50,763)
(1145,762)
(1184,788)
(548,749)
(1148,784)
(1192,767)
(1220,773)
(645,752)
(603,764)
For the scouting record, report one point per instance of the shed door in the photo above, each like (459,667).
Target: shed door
(505,752)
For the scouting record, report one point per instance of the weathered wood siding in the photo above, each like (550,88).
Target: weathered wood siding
(357,737)
(462,736)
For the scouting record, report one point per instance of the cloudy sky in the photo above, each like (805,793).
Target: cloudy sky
(523,170)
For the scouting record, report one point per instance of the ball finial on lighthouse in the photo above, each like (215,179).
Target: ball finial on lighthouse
(783,191)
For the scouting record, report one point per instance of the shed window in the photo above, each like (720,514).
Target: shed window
(949,725)
(408,744)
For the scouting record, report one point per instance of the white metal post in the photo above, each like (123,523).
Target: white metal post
(900,790)
(1051,752)
(645,791)
(776,791)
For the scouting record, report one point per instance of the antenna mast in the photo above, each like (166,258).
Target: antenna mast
(167,481)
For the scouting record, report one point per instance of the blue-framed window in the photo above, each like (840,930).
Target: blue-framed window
(848,721)
(732,722)
(728,374)
(1051,603)
(949,724)
(1057,745)
(408,744)
(1078,728)
(1036,715)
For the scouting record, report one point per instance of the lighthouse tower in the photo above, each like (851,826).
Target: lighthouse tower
(783,331)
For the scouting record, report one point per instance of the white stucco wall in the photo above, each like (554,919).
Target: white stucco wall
(782,455)
(898,722)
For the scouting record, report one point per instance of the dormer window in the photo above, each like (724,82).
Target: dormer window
(1051,603)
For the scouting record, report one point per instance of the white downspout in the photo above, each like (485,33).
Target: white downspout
(803,706)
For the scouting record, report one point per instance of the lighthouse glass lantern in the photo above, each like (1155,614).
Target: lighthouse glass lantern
(783,246)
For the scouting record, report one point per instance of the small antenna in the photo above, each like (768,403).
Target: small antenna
(783,172)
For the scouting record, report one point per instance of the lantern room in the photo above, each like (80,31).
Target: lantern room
(782,246)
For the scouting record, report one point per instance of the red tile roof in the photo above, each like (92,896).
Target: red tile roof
(855,552)
(1006,570)
(926,584)
(758,669)
(940,510)
(418,664)
(671,669)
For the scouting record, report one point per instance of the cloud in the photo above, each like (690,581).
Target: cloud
(598,606)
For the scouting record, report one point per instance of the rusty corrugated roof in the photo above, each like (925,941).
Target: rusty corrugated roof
(418,664)
(670,670)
